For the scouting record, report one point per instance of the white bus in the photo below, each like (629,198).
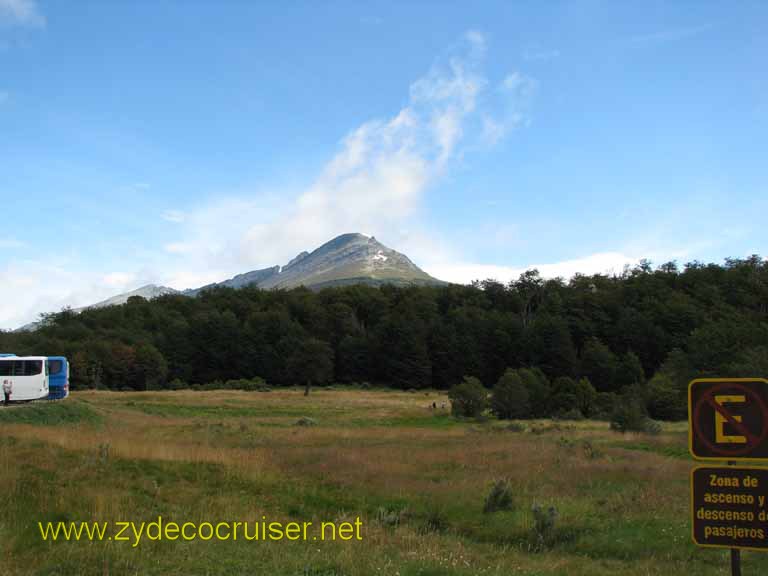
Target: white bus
(27,376)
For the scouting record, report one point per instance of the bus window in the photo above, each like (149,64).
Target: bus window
(54,367)
(21,368)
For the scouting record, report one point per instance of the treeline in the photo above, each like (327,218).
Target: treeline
(648,330)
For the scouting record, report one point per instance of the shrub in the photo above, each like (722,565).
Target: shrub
(215,385)
(469,398)
(305,421)
(516,427)
(652,427)
(177,384)
(250,385)
(585,397)
(499,497)
(572,414)
(543,525)
(590,452)
(434,521)
(629,416)
(605,404)
(391,516)
(510,397)
(665,400)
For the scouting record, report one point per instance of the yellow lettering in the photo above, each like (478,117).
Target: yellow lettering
(720,436)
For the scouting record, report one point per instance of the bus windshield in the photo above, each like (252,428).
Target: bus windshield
(54,367)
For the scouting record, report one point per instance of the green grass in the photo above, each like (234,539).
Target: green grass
(670,451)
(50,413)
(417,479)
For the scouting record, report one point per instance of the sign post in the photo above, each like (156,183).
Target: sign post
(728,421)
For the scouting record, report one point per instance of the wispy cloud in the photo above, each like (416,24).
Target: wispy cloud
(377,179)
(672,34)
(119,280)
(178,248)
(30,287)
(175,216)
(7,243)
(21,12)
(518,92)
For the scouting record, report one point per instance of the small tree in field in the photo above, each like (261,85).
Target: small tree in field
(510,397)
(468,398)
(311,362)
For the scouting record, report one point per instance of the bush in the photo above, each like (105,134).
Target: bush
(569,395)
(177,384)
(499,497)
(665,400)
(590,452)
(435,521)
(605,404)
(215,385)
(391,516)
(469,398)
(572,414)
(543,525)
(586,397)
(305,421)
(510,397)
(652,427)
(629,416)
(248,384)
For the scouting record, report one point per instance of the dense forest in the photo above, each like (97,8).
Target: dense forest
(644,333)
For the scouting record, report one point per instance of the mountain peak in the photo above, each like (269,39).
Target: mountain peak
(348,258)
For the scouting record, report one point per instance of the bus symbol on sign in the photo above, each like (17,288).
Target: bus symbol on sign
(728,419)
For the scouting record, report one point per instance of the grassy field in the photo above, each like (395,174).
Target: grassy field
(416,477)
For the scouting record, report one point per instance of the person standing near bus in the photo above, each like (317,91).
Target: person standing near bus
(7,389)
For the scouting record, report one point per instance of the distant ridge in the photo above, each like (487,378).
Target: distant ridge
(147,292)
(351,258)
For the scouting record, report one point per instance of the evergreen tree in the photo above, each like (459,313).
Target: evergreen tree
(510,397)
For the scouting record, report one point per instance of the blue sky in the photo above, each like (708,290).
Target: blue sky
(183,142)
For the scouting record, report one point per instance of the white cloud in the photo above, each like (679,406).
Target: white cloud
(178,248)
(30,287)
(493,130)
(11,243)
(175,216)
(24,12)
(521,86)
(600,263)
(119,280)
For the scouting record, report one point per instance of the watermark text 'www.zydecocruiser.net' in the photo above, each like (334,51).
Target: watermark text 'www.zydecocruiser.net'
(157,530)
